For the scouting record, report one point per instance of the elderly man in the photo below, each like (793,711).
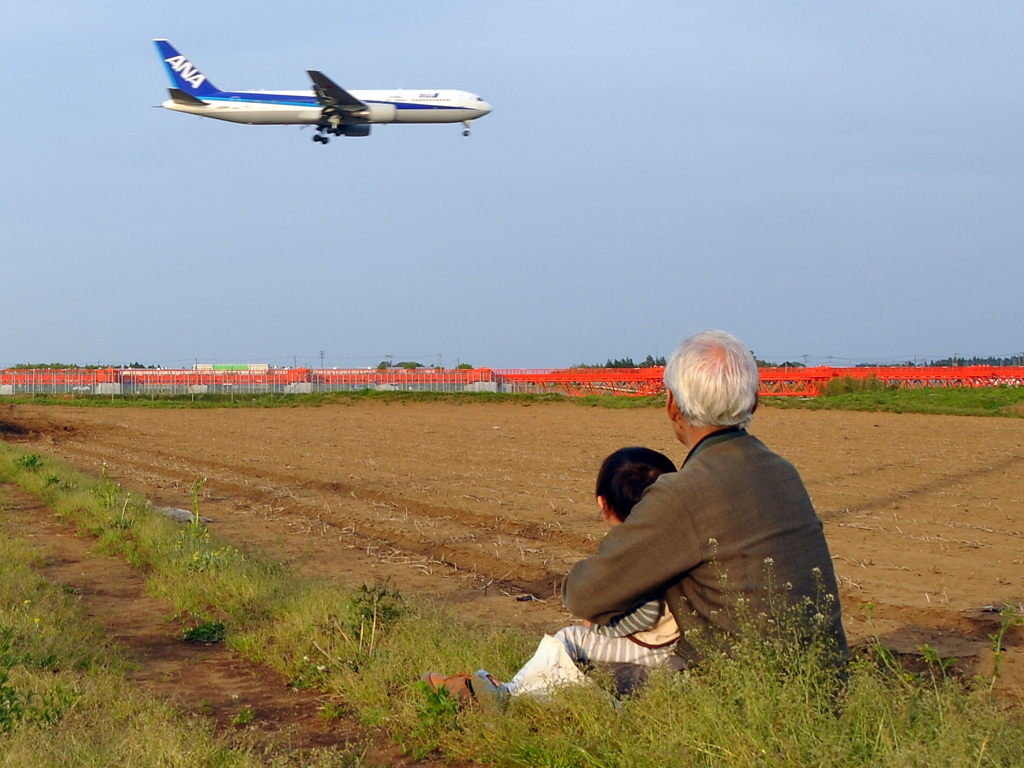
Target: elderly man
(734,521)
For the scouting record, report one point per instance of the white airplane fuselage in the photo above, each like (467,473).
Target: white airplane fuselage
(303,108)
(332,109)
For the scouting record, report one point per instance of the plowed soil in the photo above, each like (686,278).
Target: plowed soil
(486,505)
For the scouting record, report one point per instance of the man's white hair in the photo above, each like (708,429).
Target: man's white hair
(713,378)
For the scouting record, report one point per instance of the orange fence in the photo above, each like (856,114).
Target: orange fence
(573,382)
(578,382)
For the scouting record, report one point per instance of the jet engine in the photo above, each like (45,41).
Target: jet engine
(379,113)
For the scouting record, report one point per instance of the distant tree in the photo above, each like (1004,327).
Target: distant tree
(957,360)
(765,364)
(409,365)
(464,367)
(383,365)
(46,366)
(623,362)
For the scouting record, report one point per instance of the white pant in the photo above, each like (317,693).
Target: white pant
(556,659)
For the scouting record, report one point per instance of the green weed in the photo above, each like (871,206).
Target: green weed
(1009,616)
(331,711)
(244,716)
(206,632)
(107,492)
(29,461)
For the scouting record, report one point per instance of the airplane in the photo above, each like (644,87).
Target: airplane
(332,109)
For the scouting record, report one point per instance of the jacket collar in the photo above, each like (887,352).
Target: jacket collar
(721,436)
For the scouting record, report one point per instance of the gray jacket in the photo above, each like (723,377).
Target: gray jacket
(735,520)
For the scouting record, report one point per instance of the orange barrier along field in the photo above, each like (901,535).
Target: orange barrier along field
(572,382)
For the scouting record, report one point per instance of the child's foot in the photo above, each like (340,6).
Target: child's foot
(469,689)
(459,686)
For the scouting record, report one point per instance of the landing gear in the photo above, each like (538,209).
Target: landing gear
(321,139)
(466,132)
(466,124)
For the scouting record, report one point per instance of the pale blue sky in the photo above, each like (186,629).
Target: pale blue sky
(818,178)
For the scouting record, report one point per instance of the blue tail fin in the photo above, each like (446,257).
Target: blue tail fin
(183,73)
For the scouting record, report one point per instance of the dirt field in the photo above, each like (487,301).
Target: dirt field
(483,505)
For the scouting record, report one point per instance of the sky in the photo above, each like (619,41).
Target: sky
(835,180)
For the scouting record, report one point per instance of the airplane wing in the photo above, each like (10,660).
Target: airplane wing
(332,97)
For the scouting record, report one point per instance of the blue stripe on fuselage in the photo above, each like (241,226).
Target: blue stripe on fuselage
(242,97)
(406,105)
(248,97)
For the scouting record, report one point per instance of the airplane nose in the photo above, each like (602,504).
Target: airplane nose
(484,107)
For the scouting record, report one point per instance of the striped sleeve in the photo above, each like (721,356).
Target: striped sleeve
(641,618)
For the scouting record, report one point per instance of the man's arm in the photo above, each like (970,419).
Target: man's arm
(635,560)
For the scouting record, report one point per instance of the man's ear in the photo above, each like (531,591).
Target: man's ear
(673,408)
(757,399)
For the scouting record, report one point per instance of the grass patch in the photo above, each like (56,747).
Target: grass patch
(64,697)
(762,705)
(618,402)
(987,401)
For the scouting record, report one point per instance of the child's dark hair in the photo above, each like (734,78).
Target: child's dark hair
(625,475)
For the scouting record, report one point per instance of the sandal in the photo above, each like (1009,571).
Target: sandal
(459,686)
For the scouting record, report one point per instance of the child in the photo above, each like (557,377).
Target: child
(642,636)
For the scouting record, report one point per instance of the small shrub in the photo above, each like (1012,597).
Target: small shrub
(107,492)
(30,461)
(208,632)
(847,385)
(331,711)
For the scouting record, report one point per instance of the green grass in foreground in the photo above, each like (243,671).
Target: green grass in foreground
(988,401)
(367,647)
(64,698)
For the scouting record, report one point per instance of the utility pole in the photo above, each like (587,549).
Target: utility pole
(321,358)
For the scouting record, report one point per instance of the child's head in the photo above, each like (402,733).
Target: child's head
(624,476)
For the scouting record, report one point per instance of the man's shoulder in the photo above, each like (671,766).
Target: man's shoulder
(742,449)
(742,461)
